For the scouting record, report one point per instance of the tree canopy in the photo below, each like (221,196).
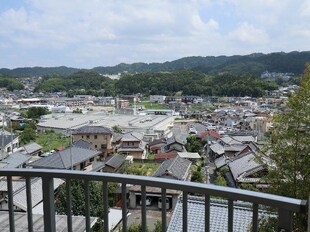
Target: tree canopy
(290,174)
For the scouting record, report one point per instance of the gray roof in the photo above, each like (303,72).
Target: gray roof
(221,161)
(32,147)
(14,160)
(217,148)
(244,139)
(21,224)
(218,215)
(92,130)
(176,167)
(132,136)
(6,138)
(229,140)
(62,159)
(115,161)
(173,140)
(82,143)
(19,196)
(189,155)
(17,184)
(244,165)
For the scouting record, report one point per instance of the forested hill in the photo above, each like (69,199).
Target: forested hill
(293,62)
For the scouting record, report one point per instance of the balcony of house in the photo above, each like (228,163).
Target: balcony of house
(199,207)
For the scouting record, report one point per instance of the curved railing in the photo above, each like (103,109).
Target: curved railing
(286,206)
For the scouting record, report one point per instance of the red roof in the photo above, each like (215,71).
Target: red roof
(214,134)
(165,155)
(211,133)
(60,148)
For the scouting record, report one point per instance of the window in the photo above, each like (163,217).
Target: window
(96,146)
(82,136)
(87,136)
(95,136)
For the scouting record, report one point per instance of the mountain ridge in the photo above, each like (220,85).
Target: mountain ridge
(255,63)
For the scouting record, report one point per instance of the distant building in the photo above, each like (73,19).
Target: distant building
(157,99)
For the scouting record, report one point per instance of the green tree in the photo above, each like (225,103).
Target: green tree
(37,112)
(28,134)
(117,129)
(193,144)
(290,176)
(197,176)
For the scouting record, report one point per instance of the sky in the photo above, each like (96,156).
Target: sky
(86,34)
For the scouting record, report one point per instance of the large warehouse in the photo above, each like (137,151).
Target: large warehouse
(152,126)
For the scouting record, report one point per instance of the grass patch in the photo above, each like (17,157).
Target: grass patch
(156,106)
(51,140)
(138,168)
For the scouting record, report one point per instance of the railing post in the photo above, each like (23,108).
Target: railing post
(10,203)
(309,214)
(48,204)
(285,220)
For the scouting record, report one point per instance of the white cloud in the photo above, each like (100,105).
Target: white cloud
(248,33)
(94,32)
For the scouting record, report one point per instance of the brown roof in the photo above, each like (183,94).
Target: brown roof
(165,155)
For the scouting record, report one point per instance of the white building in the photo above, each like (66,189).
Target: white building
(157,99)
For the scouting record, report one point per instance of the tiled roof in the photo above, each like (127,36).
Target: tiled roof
(218,215)
(211,133)
(62,159)
(19,196)
(14,160)
(93,130)
(176,167)
(173,140)
(82,143)
(6,139)
(21,224)
(217,148)
(132,136)
(165,155)
(157,141)
(115,161)
(189,155)
(32,147)
(244,164)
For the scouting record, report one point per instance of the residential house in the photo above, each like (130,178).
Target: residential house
(100,138)
(113,163)
(176,168)
(173,145)
(73,157)
(19,194)
(132,144)
(248,168)
(15,160)
(33,149)
(155,145)
(8,143)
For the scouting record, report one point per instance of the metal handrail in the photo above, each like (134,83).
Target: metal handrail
(285,205)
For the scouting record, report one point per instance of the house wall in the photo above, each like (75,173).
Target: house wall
(101,142)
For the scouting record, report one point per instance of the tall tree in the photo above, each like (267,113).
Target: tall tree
(290,174)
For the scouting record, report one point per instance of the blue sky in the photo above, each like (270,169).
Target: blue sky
(85,34)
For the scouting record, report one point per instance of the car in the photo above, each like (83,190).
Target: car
(148,201)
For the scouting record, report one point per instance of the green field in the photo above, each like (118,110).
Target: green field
(51,140)
(156,106)
(138,168)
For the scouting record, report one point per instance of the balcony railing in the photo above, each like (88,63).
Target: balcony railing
(286,206)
